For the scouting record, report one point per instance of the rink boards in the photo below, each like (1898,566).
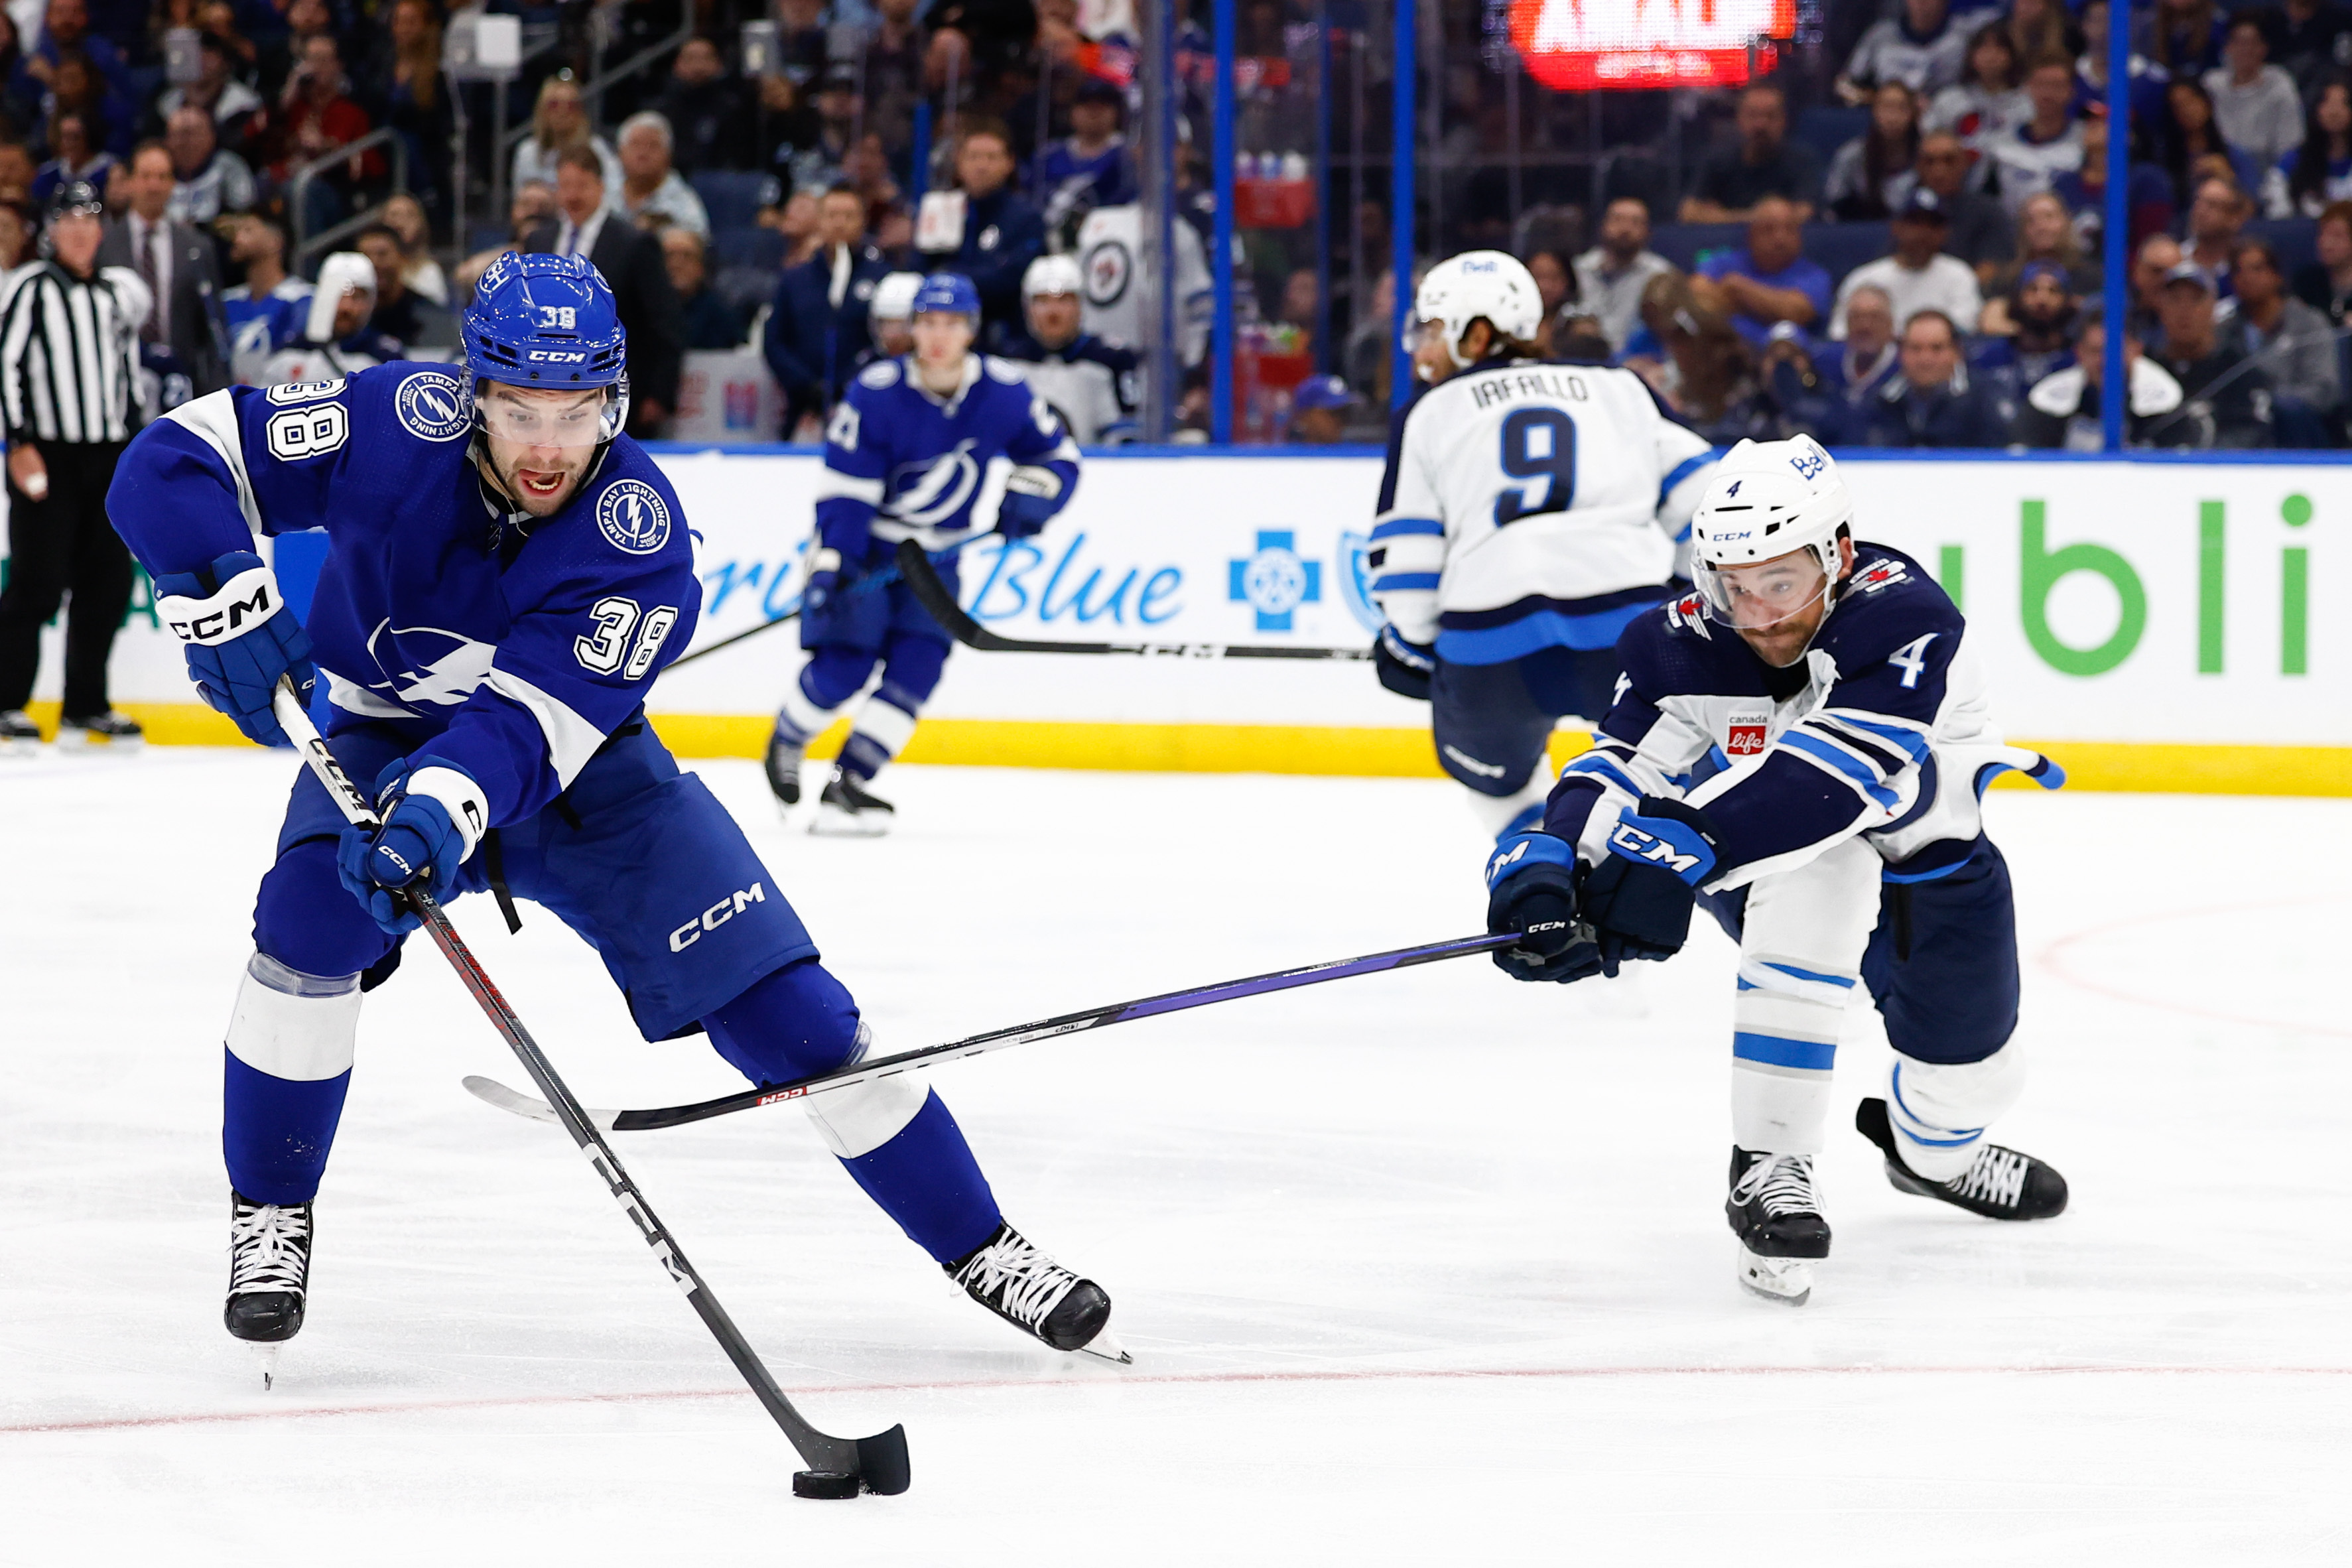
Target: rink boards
(2153,622)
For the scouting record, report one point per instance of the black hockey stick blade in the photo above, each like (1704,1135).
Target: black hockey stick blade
(916,568)
(507,1099)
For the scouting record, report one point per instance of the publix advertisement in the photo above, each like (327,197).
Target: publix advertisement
(2174,604)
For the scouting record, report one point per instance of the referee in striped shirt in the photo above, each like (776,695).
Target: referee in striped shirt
(69,383)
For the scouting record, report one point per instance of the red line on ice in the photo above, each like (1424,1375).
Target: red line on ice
(194,1418)
(2049,958)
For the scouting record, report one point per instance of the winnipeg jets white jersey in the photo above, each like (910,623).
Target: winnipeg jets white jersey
(1529,505)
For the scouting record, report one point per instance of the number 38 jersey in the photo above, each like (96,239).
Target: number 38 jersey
(508,645)
(1529,505)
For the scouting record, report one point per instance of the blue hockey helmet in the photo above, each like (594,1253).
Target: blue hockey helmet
(548,321)
(951,292)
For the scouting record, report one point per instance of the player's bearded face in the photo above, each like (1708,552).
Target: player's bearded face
(1775,606)
(541,440)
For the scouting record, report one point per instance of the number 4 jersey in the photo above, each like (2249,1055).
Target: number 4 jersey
(508,645)
(1529,505)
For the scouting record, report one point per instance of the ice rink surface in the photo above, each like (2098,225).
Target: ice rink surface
(1421,1268)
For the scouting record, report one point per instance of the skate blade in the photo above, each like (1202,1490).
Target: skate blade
(831,821)
(265,1357)
(16,748)
(1789,1281)
(1105,1346)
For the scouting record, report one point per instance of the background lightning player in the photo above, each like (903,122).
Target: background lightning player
(904,456)
(1803,741)
(508,575)
(1529,510)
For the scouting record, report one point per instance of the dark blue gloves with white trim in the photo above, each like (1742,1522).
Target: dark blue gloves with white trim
(432,817)
(242,640)
(1404,667)
(1635,904)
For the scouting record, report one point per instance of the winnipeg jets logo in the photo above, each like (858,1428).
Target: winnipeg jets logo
(930,494)
(633,516)
(431,407)
(1106,268)
(457,664)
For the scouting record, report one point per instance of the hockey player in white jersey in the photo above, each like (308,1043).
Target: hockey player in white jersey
(1802,743)
(1529,510)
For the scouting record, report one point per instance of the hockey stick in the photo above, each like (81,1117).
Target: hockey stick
(506,1099)
(916,568)
(882,579)
(878,1463)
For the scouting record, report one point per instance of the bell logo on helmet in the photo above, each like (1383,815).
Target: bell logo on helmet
(634,517)
(1807,464)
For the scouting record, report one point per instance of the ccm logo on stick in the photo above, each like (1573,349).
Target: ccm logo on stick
(717,915)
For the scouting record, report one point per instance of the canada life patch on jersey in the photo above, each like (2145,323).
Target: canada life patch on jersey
(1744,740)
(431,406)
(633,516)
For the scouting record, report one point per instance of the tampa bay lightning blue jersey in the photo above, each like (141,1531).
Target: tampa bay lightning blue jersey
(1882,729)
(508,644)
(904,463)
(259,328)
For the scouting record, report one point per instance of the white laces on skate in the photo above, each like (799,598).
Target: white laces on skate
(267,1245)
(1997,1175)
(1783,1184)
(1021,1281)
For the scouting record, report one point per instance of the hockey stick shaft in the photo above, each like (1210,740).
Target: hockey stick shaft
(881,1460)
(916,568)
(1019,1035)
(882,579)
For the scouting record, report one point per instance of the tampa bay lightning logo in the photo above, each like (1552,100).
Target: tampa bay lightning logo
(1356,580)
(926,494)
(633,516)
(425,666)
(432,405)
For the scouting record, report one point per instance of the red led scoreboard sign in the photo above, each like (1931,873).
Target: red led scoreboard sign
(1583,44)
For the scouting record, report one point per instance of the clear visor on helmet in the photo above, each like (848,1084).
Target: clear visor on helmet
(1762,596)
(1420,330)
(551,416)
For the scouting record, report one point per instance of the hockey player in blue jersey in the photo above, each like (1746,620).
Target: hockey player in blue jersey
(509,574)
(1802,743)
(905,455)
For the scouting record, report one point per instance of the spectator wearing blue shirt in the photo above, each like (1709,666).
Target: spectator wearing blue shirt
(1850,372)
(1003,232)
(1090,168)
(1933,402)
(1771,280)
(817,327)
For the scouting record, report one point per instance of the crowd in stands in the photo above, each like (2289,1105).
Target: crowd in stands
(1900,244)
(1979,142)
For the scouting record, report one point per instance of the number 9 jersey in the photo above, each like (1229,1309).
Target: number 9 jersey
(1529,505)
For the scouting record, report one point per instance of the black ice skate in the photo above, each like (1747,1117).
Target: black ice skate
(847,810)
(107,729)
(1999,1183)
(19,736)
(784,767)
(269,1273)
(1779,1222)
(1036,1295)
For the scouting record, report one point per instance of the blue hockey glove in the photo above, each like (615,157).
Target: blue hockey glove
(1638,900)
(826,603)
(432,818)
(241,639)
(1532,889)
(1032,497)
(1404,667)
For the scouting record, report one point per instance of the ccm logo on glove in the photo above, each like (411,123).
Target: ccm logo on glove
(243,603)
(1635,845)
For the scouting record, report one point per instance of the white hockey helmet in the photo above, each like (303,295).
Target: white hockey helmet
(344,272)
(1766,499)
(1476,284)
(1052,275)
(894,297)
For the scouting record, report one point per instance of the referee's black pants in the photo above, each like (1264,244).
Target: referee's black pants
(63,544)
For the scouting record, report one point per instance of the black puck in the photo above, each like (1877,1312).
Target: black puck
(823,1484)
